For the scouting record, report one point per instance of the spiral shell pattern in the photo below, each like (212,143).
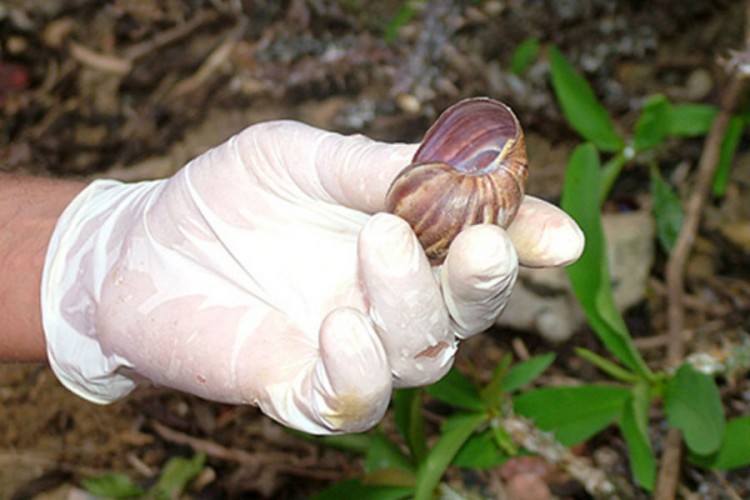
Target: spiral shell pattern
(470,168)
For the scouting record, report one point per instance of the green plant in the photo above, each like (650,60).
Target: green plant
(473,436)
(690,398)
(405,14)
(175,476)
(524,55)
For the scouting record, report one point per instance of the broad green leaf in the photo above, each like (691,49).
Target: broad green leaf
(407,413)
(734,451)
(580,106)
(456,431)
(652,125)
(634,427)
(354,488)
(589,276)
(525,372)
(385,454)
(457,390)
(524,55)
(480,452)
(112,486)
(693,405)
(729,145)
(573,413)
(177,473)
(667,210)
(691,120)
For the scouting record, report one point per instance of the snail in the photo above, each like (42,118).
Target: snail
(470,168)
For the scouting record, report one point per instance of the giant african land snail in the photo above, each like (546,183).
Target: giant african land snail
(470,169)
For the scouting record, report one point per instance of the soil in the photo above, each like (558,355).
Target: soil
(134,89)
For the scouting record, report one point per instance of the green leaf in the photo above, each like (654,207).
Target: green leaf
(390,477)
(176,474)
(573,413)
(691,120)
(503,439)
(480,452)
(402,17)
(407,413)
(634,427)
(653,124)
(355,488)
(589,276)
(580,105)
(693,405)
(729,145)
(734,451)
(524,55)
(385,454)
(456,431)
(112,486)
(492,393)
(456,390)
(355,443)
(667,210)
(526,371)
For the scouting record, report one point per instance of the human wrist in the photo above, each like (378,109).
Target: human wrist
(29,210)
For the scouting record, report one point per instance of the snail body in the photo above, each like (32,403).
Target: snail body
(470,168)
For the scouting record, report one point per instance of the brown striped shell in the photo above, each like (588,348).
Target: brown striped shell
(470,169)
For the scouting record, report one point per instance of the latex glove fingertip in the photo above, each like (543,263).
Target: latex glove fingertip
(353,382)
(544,235)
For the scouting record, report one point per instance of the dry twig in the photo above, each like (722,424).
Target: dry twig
(170,36)
(286,462)
(738,67)
(524,433)
(212,63)
(107,63)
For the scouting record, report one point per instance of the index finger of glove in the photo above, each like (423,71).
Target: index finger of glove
(292,158)
(357,171)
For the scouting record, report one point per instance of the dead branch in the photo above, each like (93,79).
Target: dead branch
(122,65)
(107,63)
(170,36)
(524,433)
(285,462)
(211,65)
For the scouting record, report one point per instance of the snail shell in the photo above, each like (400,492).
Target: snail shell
(470,168)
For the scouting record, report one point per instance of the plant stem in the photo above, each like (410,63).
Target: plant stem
(610,171)
(613,370)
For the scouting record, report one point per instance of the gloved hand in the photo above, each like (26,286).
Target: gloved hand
(258,275)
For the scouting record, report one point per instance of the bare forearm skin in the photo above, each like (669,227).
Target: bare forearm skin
(29,209)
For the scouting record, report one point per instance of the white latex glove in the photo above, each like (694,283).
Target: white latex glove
(258,275)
